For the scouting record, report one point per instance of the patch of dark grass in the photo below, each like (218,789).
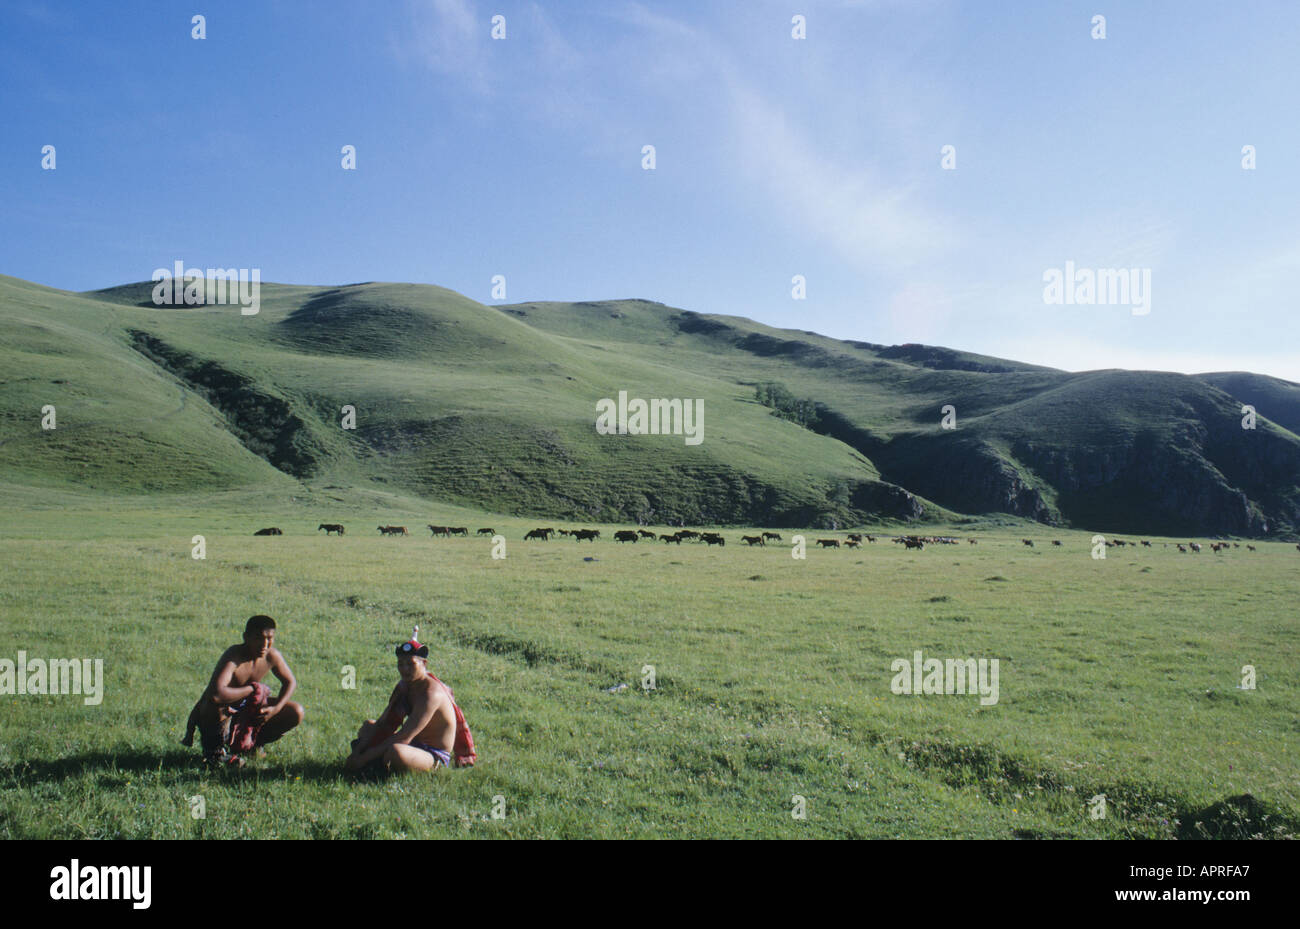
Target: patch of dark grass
(1144,810)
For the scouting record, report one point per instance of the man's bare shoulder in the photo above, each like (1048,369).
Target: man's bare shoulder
(233,655)
(429,689)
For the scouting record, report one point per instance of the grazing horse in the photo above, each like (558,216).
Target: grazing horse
(829,543)
(855,536)
(1056,542)
(913,543)
(486,532)
(671,538)
(1195,546)
(774,536)
(625,535)
(872,538)
(1029,542)
(645,535)
(753,540)
(271,531)
(439,530)
(1181,549)
(1250,548)
(330,528)
(393,530)
(459,530)
(973,541)
(589,535)
(853,543)
(714,539)
(536,534)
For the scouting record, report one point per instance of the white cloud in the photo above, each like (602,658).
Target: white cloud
(872,223)
(850,207)
(448,36)
(534,74)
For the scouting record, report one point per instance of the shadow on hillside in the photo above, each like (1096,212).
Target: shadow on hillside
(1241,817)
(115,768)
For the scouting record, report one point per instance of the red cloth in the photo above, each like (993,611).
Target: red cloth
(246,724)
(463,749)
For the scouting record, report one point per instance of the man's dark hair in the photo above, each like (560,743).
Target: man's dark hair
(257,623)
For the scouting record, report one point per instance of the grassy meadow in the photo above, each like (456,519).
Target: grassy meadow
(1118,677)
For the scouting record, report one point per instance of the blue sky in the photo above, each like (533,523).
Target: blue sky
(774,157)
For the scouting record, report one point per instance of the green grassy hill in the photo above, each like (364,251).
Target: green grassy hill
(1277,399)
(494,408)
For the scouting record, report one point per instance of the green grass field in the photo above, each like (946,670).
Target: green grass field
(1118,677)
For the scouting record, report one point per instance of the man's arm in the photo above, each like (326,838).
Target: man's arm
(423,706)
(288,683)
(222,693)
(392,716)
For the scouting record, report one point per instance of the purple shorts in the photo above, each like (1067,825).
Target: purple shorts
(440,756)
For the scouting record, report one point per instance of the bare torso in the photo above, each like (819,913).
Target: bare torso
(440,731)
(247,670)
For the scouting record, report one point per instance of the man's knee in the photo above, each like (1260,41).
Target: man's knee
(293,713)
(394,759)
(405,758)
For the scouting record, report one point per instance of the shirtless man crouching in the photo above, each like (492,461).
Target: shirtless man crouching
(239,668)
(427,738)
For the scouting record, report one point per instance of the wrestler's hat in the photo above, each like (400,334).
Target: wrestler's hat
(413,647)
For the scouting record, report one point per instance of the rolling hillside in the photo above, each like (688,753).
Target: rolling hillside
(494,408)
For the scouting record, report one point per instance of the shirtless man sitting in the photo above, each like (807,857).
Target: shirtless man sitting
(427,738)
(238,670)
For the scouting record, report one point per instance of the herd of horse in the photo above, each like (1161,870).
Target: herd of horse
(851,540)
